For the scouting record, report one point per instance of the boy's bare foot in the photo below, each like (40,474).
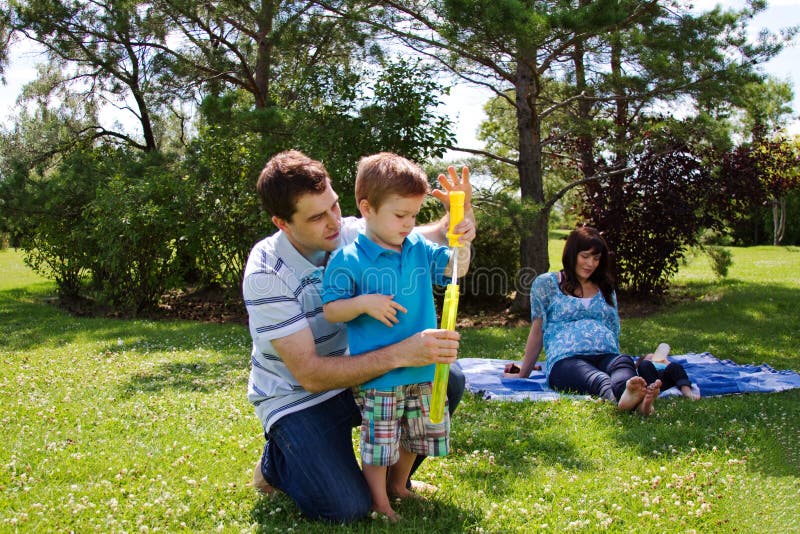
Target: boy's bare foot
(634,393)
(405,494)
(646,408)
(417,486)
(259,482)
(390,514)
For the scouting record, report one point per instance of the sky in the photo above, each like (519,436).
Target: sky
(464,105)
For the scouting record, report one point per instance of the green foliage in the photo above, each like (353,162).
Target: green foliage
(50,220)
(652,216)
(398,113)
(138,223)
(223,219)
(767,105)
(721,259)
(495,254)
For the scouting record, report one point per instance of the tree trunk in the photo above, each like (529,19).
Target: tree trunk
(534,258)
(585,143)
(778,220)
(621,115)
(145,120)
(264,54)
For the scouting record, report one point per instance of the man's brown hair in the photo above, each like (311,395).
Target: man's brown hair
(285,178)
(384,174)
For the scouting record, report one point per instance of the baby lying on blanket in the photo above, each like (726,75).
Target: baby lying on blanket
(655,366)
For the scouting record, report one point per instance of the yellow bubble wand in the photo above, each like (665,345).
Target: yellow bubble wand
(449,309)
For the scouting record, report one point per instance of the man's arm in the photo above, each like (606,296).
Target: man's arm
(381,307)
(321,373)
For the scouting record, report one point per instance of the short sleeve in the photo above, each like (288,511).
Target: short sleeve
(614,327)
(439,257)
(337,282)
(541,292)
(273,309)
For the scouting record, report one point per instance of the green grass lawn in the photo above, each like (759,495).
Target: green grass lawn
(129,425)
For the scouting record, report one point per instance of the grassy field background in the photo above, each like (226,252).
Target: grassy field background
(139,426)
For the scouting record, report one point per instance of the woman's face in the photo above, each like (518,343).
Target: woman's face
(587,262)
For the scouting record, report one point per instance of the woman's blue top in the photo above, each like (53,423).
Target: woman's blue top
(573,326)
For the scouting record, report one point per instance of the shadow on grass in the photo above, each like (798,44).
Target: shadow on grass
(194,376)
(430,515)
(27,324)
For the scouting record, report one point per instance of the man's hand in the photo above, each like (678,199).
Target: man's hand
(430,346)
(381,307)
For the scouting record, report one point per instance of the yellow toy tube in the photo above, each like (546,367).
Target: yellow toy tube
(456,216)
(449,309)
(442,372)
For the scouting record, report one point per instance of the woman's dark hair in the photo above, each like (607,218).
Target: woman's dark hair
(580,239)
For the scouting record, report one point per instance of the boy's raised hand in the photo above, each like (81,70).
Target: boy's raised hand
(454,182)
(381,307)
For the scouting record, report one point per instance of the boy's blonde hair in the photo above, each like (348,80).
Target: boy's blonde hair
(384,174)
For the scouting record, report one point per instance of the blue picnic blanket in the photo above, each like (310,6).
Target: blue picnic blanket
(710,376)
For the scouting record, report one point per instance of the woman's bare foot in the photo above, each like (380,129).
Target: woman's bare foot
(634,393)
(646,408)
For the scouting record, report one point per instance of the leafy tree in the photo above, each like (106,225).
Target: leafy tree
(101,52)
(766,105)
(653,215)
(517,48)
(779,164)
(761,174)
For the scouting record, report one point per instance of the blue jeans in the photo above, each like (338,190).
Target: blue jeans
(601,375)
(309,456)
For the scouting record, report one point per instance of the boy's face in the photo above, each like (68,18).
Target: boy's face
(389,225)
(314,226)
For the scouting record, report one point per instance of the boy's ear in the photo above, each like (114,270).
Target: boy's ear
(365,208)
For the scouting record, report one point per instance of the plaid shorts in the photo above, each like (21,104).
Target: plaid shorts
(400,417)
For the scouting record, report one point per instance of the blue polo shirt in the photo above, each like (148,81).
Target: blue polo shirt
(364,267)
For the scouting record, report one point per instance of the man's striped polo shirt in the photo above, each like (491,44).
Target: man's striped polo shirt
(282,293)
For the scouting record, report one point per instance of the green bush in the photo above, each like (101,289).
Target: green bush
(721,259)
(138,222)
(51,205)
(223,218)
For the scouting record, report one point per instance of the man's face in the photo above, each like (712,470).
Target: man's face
(314,227)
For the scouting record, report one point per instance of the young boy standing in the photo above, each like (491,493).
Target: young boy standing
(381,285)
